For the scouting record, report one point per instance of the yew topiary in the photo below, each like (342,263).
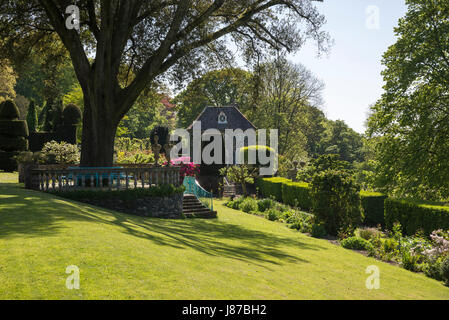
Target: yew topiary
(9,111)
(13,134)
(71,115)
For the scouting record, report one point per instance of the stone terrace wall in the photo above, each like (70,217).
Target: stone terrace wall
(158,207)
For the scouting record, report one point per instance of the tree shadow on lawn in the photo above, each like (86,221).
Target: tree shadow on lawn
(25,213)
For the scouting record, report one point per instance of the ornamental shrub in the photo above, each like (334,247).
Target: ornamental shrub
(32,117)
(356,243)
(71,115)
(416,215)
(13,136)
(59,153)
(248,205)
(445,270)
(318,231)
(336,201)
(265,204)
(273,214)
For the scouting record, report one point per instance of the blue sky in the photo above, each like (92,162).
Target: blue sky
(351,72)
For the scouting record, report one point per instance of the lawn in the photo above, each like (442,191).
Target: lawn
(236,256)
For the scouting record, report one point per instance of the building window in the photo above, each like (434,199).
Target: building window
(222,118)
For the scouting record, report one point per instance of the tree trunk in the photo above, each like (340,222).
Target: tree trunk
(99,129)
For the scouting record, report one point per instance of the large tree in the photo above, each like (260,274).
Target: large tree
(286,94)
(410,123)
(150,38)
(217,88)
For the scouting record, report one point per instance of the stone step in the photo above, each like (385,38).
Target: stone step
(193,208)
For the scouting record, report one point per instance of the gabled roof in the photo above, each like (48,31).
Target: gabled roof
(235,119)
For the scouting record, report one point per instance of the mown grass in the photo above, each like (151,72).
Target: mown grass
(237,256)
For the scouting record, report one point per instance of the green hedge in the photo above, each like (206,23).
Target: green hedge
(271,187)
(13,144)
(7,161)
(10,128)
(125,195)
(297,194)
(373,208)
(415,215)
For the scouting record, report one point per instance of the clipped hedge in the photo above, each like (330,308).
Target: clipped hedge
(373,208)
(297,194)
(271,187)
(15,128)
(13,144)
(415,215)
(7,161)
(124,195)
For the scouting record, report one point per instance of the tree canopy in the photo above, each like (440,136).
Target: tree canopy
(410,123)
(153,39)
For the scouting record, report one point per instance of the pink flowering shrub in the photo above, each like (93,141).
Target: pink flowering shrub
(188,168)
(440,244)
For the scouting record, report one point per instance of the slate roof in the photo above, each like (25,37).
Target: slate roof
(236,120)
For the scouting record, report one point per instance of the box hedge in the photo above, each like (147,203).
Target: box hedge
(373,208)
(416,215)
(271,187)
(297,194)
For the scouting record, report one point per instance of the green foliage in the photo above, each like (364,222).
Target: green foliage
(46,116)
(13,143)
(301,221)
(271,187)
(432,269)
(235,204)
(32,117)
(409,123)
(13,133)
(125,195)
(248,205)
(318,231)
(71,114)
(336,201)
(265,204)
(409,261)
(13,128)
(240,174)
(445,270)
(323,163)
(356,243)
(287,97)
(368,233)
(342,140)
(9,111)
(217,88)
(273,214)
(297,194)
(59,153)
(373,208)
(416,215)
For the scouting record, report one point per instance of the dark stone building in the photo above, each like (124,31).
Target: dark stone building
(220,118)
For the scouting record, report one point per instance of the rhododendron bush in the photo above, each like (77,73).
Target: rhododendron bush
(188,168)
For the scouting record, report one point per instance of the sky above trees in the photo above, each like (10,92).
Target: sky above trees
(351,72)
